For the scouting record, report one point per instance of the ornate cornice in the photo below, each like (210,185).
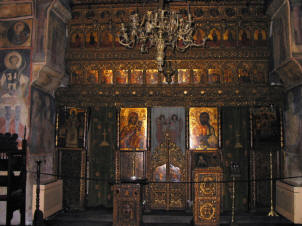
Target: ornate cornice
(168,95)
(194,54)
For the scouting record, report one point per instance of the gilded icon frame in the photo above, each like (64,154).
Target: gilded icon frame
(133,129)
(203,135)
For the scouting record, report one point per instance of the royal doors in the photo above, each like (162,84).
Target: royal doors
(167,162)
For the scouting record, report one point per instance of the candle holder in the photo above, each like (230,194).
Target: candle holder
(133,177)
(272,212)
(235,172)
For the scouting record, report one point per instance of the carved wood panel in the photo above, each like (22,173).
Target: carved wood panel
(127,205)
(207,192)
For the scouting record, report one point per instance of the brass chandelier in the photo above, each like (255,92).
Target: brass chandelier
(159,28)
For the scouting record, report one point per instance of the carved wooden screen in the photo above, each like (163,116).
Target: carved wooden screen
(168,168)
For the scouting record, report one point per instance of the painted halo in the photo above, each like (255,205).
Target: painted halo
(7,62)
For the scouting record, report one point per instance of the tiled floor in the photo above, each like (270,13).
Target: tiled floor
(103,217)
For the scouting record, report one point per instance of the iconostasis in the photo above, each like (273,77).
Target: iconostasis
(165,144)
(161,127)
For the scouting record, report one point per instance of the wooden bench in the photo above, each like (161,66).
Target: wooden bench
(13,176)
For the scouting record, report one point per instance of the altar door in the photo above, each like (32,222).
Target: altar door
(168,166)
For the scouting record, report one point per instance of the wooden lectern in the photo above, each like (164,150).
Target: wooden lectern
(127,203)
(207,194)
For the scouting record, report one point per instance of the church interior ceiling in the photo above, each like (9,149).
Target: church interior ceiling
(232,68)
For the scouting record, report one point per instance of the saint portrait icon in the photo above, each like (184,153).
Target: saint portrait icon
(133,123)
(203,128)
(18,33)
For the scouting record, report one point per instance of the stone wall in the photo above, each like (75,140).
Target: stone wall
(286,33)
(32,47)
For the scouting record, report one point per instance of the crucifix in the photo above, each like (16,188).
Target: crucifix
(104,142)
